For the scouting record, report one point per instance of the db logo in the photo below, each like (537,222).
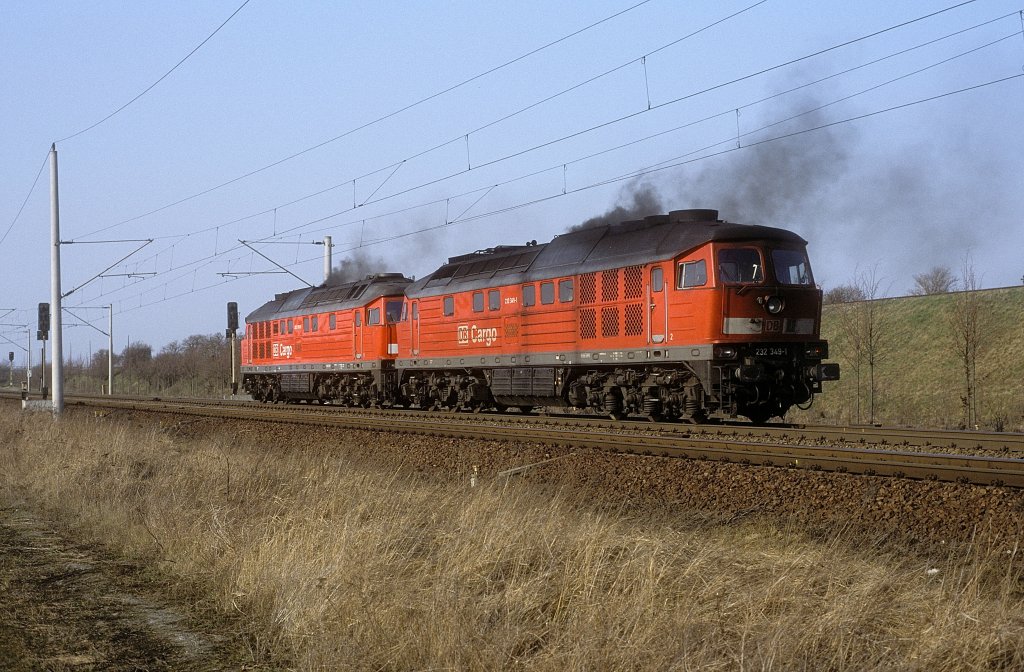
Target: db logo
(773,325)
(463,334)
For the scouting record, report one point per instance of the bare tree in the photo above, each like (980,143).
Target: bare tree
(967,325)
(938,280)
(843,294)
(865,334)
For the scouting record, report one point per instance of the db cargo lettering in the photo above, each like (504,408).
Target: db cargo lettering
(486,336)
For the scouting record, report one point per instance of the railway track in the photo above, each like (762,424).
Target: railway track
(779,446)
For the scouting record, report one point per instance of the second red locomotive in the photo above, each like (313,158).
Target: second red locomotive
(678,316)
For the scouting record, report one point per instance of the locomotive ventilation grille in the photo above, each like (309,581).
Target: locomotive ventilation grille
(588,323)
(634,282)
(617,319)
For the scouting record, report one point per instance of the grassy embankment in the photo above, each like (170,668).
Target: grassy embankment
(918,377)
(342,565)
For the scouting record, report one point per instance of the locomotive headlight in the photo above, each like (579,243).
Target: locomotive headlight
(725,352)
(774,304)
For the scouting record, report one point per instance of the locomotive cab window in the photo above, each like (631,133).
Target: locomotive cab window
(565,291)
(316,323)
(291,326)
(691,274)
(393,311)
(792,267)
(332,321)
(478,302)
(305,324)
(547,293)
(740,264)
(493,299)
(529,295)
(273,327)
(357,318)
(449,305)
(373,316)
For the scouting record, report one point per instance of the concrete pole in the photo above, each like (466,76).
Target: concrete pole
(56,341)
(327,257)
(110,350)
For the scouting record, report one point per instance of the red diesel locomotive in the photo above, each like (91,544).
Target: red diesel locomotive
(677,316)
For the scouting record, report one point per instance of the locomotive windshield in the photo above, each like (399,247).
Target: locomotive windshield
(792,267)
(740,264)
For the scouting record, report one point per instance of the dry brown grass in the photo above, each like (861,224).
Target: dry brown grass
(345,567)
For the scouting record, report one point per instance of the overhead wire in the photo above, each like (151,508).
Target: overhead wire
(396,165)
(487,188)
(380,119)
(658,134)
(675,163)
(162,77)
(27,196)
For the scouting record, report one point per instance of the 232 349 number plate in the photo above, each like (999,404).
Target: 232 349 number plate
(771,351)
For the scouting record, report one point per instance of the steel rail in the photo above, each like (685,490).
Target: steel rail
(1008,442)
(855,460)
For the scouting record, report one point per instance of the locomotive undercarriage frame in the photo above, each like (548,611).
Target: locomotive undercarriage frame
(755,387)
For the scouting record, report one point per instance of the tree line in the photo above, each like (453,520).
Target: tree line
(199,365)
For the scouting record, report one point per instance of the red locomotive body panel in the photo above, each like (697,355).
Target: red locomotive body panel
(673,316)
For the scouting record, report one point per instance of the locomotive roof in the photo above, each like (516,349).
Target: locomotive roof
(330,298)
(593,249)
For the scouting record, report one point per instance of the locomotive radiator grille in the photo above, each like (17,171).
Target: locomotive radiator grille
(609,321)
(634,319)
(588,323)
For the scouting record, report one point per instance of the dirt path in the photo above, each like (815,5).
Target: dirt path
(64,606)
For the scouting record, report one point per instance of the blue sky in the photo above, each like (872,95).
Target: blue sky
(896,191)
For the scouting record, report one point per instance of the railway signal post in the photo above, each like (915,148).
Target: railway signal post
(233,343)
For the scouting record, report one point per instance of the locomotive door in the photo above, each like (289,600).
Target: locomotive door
(357,333)
(657,302)
(414,325)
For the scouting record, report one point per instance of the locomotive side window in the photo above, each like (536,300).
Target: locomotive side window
(449,305)
(273,326)
(291,326)
(416,311)
(305,325)
(529,295)
(357,317)
(316,323)
(332,321)
(373,316)
(565,291)
(547,293)
(493,299)
(657,279)
(281,327)
(691,274)
(393,311)
(740,264)
(478,302)
(792,267)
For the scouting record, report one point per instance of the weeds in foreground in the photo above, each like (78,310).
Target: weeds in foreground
(344,566)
